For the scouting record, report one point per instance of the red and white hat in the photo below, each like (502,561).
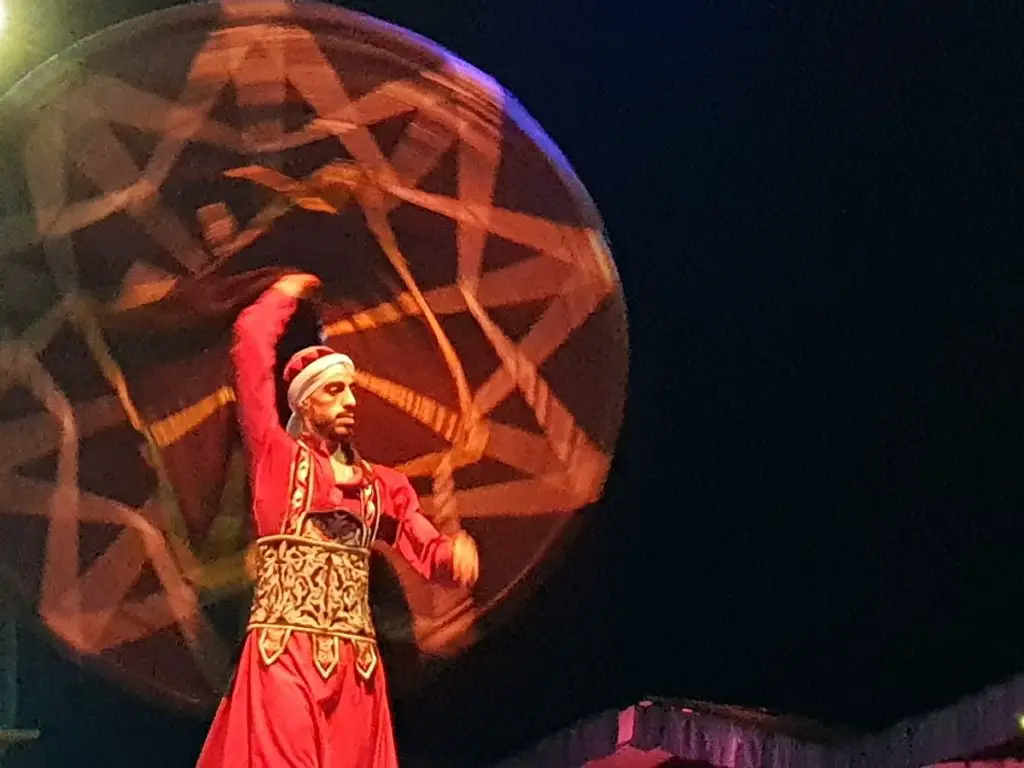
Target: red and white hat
(307,371)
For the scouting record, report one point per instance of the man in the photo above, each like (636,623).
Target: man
(310,691)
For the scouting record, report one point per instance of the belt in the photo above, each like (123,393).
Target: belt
(317,587)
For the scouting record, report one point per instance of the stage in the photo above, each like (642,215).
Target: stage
(980,731)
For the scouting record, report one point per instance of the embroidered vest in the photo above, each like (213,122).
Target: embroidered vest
(315,578)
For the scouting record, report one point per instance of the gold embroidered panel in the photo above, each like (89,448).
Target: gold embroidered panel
(312,586)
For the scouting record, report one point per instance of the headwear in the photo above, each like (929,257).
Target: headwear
(307,371)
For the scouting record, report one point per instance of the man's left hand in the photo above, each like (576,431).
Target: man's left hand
(465,560)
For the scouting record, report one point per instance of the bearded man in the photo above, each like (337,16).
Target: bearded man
(310,690)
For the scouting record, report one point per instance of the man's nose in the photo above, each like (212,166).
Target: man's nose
(348,398)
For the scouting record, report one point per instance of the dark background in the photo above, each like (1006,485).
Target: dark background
(816,506)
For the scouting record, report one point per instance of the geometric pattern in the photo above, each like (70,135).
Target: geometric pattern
(465,270)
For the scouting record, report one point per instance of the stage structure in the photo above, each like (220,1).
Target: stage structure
(662,733)
(981,731)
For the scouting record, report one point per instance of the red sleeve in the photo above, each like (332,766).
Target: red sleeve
(258,329)
(417,540)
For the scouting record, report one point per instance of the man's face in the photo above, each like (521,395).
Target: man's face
(330,410)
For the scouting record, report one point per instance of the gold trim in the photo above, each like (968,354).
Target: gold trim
(366,659)
(326,653)
(308,631)
(272,642)
(300,491)
(292,538)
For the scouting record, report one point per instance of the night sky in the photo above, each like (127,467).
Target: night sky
(816,507)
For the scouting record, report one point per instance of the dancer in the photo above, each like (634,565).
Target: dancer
(310,689)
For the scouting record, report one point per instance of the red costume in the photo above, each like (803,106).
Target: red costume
(310,690)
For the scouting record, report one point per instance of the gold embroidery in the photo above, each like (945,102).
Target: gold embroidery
(302,481)
(307,583)
(325,654)
(366,659)
(272,643)
(312,586)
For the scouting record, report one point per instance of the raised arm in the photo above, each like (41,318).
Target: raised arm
(257,331)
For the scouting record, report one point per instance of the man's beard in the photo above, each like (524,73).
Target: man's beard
(339,440)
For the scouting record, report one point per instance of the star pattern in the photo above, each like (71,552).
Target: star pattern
(267,56)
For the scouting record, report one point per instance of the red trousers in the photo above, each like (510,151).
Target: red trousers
(286,715)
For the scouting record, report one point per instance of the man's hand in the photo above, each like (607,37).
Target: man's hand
(465,560)
(298,286)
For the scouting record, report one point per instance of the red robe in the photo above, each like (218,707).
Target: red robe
(295,712)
